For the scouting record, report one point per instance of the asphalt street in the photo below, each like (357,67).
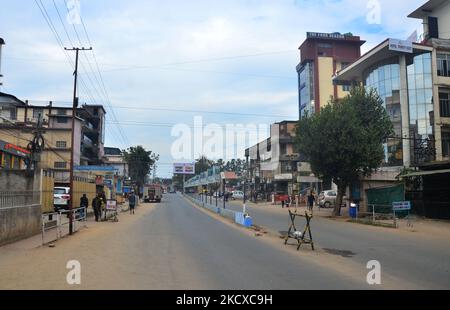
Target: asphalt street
(174,245)
(418,260)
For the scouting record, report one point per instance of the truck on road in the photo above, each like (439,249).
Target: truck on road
(153,193)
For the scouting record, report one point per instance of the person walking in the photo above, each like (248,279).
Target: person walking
(84,204)
(311,201)
(97,205)
(132,202)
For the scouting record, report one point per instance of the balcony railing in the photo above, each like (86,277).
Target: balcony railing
(445,107)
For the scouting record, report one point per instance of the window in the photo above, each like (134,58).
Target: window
(446,144)
(60,165)
(443,61)
(444,103)
(61,144)
(346,88)
(61,112)
(37,112)
(62,120)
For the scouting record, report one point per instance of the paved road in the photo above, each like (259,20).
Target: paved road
(416,259)
(173,245)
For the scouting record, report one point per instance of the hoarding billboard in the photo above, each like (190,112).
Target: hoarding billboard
(184,168)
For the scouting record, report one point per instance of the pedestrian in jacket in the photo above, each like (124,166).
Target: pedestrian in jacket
(97,205)
(132,202)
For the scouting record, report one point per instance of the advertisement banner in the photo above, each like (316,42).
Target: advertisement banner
(185,168)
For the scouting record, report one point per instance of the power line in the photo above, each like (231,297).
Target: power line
(50,24)
(181,110)
(200,61)
(101,82)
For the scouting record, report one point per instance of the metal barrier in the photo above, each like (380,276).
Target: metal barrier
(378,215)
(59,221)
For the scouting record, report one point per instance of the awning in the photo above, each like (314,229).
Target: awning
(422,173)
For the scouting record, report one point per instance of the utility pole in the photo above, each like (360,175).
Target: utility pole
(74,111)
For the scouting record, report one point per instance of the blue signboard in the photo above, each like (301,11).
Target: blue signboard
(401,206)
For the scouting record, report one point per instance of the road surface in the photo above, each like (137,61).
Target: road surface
(174,245)
(420,260)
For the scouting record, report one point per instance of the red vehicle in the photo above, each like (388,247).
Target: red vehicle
(153,193)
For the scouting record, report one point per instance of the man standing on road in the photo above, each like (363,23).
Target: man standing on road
(97,205)
(311,200)
(132,202)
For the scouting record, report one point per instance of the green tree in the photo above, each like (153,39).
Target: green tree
(140,163)
(344,141)
(203,164)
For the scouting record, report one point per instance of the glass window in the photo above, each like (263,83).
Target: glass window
(418,64)
(60,165)
(444,103)
(61,144)
(412,112)
(395,70)
(421,96)
(443,62)
(385,79)
(446,144)
(420,81)
(427,64)
(428,81)
(412,97)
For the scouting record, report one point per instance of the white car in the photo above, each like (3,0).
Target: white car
(327,199)
(238,195)
(61,197)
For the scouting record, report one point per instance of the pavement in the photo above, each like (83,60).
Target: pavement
(176,245)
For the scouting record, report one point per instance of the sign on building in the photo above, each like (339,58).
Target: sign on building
(401,46)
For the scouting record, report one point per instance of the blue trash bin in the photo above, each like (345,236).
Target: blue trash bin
(353,211)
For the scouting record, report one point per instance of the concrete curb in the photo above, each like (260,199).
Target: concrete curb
(237,217)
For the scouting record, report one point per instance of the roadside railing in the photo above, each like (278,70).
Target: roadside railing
(381,215)
(15,199)
(56,224)
(241,218)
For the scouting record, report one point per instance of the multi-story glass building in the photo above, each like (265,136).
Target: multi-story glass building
(321,55)
(413,80)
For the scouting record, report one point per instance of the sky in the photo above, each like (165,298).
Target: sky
(160,63)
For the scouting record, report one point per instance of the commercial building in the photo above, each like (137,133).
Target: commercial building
(321,56)
(275,164)
(19,119)
(114,158)
(413,80)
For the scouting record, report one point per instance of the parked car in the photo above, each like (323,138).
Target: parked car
(327,199)
(61,198)
(238,195)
